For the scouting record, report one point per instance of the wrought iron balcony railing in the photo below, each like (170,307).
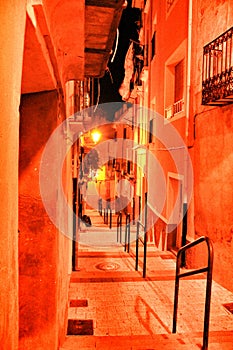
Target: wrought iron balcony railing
(217,73)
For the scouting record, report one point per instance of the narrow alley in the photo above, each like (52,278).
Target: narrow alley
(116,179)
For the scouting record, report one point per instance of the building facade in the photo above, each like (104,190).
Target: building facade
(187,80)
(211,130)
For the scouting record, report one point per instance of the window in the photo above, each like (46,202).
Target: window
(153,34)
(145,52)
(177,85)
(175,82)
(179,81)
(153,46)
(129,166)
(139,134)
(151,131)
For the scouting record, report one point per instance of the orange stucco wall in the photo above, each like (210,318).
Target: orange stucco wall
(12,26)
(171,30)
(212,146)
(43,251)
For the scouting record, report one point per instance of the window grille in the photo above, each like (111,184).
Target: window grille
(217,71)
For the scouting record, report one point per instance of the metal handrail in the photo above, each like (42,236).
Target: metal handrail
(208,269)
(133,209)
(110,223)
(144,242)
(106,211)
(80,210)
(127,233)
(105,215)
(139,239)
(100,206)
(119,227)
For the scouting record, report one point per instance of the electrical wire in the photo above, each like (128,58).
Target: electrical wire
(117,38)
(171,148)
(98,97)
(135,42)
(110,74)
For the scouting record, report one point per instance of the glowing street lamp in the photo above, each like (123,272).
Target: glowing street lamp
(96,135)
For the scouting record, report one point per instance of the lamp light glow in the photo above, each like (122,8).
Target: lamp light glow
(96,135)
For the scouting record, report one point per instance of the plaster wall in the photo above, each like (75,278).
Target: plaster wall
(171,31)
(212,146)
(64,29)
(12,26)
(171,28)
(43,250)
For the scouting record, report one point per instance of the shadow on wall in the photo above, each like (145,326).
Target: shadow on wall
(35,129)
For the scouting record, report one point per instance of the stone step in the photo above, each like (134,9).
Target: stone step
(217,341)
(120,278)
(137,342)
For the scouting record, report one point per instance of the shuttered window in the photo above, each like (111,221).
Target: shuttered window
(151,131)
(153,46)
(179,81)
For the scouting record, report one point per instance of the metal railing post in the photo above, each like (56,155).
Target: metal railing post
(106,216)
(144,242)
(134,210)
(139,207)
(208,269)
(119,227)
(208,294)
(177,280)
(144,255)
(110,218)
(137,243)
(145,239)
(100,206)
(127,233)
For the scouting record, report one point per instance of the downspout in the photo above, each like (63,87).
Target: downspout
(189,52)
(188,88)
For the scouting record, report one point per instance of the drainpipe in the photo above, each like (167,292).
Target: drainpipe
(189,51)
(188,87)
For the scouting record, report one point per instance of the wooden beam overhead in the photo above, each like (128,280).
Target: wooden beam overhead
(105,3)
(97,51)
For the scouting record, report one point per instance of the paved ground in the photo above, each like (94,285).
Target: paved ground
(130,312)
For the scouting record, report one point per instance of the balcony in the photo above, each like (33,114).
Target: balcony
(217,81)
(175,109)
